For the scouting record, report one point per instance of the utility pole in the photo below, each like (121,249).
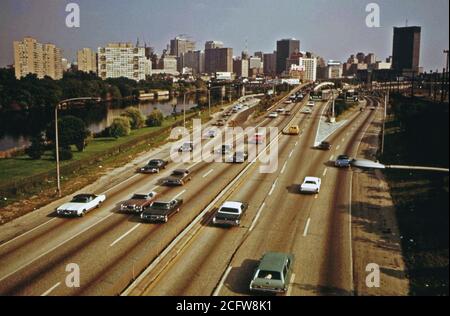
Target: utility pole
(386,102)
(58,178)
(184,109)
(209,100)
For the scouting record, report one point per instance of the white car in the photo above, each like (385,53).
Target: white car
(311,185)
(306,111)
(211,134)
(230,214)
(280,110)
(186,147)
(273,115)
(80,205)
(311,103)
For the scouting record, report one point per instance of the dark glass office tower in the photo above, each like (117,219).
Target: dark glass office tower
(406,49)
(285,48)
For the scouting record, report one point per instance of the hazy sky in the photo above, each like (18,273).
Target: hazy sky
(333,29)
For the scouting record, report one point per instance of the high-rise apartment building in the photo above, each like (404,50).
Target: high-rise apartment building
(406,49)
(285,49)
(87,60)
(309,66)
(123,60)
(218,60)
(31,57)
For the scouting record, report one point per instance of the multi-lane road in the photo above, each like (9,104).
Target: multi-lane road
(188,255)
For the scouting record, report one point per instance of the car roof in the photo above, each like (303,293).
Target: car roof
(273,261)
(231,204)
(311,179)
(84,196)
(181,170)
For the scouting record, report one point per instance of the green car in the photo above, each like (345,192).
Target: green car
(273,273)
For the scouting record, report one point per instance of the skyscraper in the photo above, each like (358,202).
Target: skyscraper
(87,60)
(406,49)
(179,46)
(270,64)
(285,48)
(218,60)
(31,57)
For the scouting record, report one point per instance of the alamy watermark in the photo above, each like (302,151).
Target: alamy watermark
(73,18)
(373,18)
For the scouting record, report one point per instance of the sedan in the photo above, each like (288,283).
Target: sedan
(154,166)
(342,161)
(80,205)
(311,185)
(273,115)
(161,211)
(324,146)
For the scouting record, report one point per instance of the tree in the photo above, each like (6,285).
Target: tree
(137,119)
(72,131)
(36,149)
(65,153)
(120,127)
(155,118)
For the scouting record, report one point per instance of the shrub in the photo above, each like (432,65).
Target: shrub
(137,119)
(65,153)
(36,149)
(120,127)
(155,118)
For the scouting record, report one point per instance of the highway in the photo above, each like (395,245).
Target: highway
(316,229)
(107,244)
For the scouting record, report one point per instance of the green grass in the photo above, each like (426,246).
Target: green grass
(22,166)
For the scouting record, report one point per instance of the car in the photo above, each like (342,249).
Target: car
(324,146)
(258,139)
(161,211)
(273,273)
(306,111)
(280,110)
(186,147)
(288,102)
(293,130)
(178,177)
(311,185)
(211,134)
(220,123)
(230,214)
(154,166)
(273,115)
(224,150)
(343,161)
(80,205)
(138,202)
(237,157)
(311,103)
(287,113)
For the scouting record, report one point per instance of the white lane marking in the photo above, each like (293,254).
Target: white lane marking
(222,281)
(332,157)
(273,187)
(296,144)
(339,146)
(284,167)
(179,194)
(136,175)
(305,232)
(208,173)
(257,216)
(125,235)
(290,155)
(55,247)
(26,233)
(51,289)
(291,282)
(316,197)
(325,172)
(343,139)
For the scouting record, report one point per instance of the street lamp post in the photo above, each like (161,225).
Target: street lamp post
(58,107)
(386,101)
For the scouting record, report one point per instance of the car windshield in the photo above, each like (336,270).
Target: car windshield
(269,275)
(310,182)
(229,210)
(161,205)
(81,199)
(343,158)
(178,173)
(154,163)
(139,197)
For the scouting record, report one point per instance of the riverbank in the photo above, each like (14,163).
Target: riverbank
(417,134)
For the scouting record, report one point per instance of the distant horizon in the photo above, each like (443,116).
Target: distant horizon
(237,23)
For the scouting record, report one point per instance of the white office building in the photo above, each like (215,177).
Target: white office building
(309,66)
(123,60)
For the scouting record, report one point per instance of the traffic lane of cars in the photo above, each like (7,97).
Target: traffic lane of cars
(220,240)
(176,279)
(101,239)
(284,233)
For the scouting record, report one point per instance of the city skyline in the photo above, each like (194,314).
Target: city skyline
(24,18)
